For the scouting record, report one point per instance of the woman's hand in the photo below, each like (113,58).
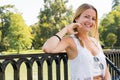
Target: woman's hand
(72,28)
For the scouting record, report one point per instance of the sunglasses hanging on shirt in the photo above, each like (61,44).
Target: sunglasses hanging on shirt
(96,59)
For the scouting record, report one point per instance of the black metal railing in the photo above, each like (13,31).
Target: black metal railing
(113,60)
(53,73)
(29,59)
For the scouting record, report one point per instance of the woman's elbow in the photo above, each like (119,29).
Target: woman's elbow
(46,50)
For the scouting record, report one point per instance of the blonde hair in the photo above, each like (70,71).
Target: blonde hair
(80,10)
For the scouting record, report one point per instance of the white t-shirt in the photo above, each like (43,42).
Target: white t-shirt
(84,67)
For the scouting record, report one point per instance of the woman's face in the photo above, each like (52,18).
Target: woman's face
(87,19)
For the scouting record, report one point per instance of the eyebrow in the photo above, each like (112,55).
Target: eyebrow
(90,15)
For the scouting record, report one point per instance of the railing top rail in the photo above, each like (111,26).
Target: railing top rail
(47,54)
(28,55)
(112,51)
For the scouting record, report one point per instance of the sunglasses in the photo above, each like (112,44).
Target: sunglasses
(96,59)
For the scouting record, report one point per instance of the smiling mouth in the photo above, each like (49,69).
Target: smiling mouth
(88,26)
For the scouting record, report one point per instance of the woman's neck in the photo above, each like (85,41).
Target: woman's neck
(83,36)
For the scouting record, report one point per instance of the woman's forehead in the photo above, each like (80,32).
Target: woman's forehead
(91,12)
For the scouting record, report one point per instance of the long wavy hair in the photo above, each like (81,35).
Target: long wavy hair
(80,10)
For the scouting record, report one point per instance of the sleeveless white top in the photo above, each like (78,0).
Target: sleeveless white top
(83,67)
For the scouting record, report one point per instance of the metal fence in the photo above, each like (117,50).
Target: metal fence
(29,59)
(59,59)
(113,60)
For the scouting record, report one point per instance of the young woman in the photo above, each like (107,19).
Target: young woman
(87,60)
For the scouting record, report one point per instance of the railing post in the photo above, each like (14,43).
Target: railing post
(16,74)
(2,75)
(40,69)
(49,64)
(58,60)
(29,73)
(65,60)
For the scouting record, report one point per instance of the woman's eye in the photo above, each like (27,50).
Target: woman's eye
(90,17)
(94,19)
(86,16)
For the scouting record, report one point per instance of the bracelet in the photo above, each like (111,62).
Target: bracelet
(58,37)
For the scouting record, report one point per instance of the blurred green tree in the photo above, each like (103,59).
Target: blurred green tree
(19,35)
(110,24)
(115,3)
(111,40)
(5,12)
(54,16)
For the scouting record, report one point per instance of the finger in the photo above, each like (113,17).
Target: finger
(75,32)
(75,26)
(80,24)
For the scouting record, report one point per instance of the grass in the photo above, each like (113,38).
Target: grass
(22,52)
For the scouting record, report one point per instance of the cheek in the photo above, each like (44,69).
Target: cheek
(80,20)
(94,24)
(93,27)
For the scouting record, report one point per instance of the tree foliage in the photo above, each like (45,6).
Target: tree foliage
(115,3)
(110,24)
(5,12)
(35,31)
(111,39)
(19,35)
(14,33)
(54,16)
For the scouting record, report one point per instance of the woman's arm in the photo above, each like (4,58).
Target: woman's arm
(107,74)
(53,44)
(54,41)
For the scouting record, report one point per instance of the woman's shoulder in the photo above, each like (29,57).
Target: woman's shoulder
(68,38)
(93,39)
(96,41)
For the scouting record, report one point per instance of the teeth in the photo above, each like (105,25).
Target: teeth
(88,26)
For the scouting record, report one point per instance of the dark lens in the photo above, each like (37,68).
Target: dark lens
(101,66)
(96,59)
